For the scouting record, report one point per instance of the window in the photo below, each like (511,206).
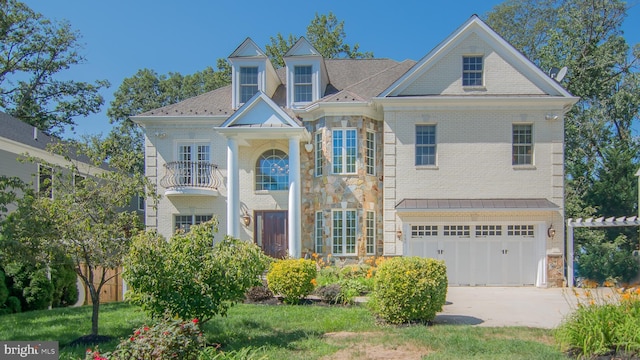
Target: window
(184,222)
(522,144)
(344,151)
(302,85)
(424,230)
(488,230)
(520,230)
(370,155)
(425,145)
(141,202)
(370,231)
(319,232)
(456,230)
(319,160)
(272,171)
(248,83)
(45,181)
(472,71)
(344,232)
(194,168)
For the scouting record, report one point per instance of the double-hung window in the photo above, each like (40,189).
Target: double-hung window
(45,181)
(344,232)
(302,84)
(522,146)
(425,145)
(248,82)
(472,71)
(319,239)
(194,164)
(345,149)
(370,232)
(184,222)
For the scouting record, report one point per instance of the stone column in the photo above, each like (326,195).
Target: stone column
(294,213)
(233,189)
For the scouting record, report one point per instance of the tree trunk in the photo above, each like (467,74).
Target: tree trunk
(95,300)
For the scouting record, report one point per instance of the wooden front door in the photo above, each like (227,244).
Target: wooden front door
(271,233)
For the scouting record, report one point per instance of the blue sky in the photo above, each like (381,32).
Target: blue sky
(122,36)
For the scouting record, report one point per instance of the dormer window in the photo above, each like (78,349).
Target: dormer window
(472,71)
(248,82)
(302,82)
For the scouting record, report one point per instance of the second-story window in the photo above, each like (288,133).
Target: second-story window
(194,164)
(345,150)
(45,181)
(522,145)
(302,83)
(425,145)
(272,171)
(370,153)
(248,83)
(319,156)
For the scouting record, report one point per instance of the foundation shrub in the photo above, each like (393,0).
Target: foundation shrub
(292,279)
(409,289)
(259,293)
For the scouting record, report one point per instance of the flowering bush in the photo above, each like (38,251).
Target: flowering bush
(409,289)
(292,279)
(603,322)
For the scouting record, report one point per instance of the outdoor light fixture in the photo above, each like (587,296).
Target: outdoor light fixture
(551,231)
(246,219)
(399,234)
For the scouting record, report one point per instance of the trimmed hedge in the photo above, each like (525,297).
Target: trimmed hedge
(409,289)
(293,279)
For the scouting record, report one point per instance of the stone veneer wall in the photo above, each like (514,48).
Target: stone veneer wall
(555,271)
(324,193)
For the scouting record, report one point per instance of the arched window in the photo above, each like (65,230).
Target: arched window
(272,171)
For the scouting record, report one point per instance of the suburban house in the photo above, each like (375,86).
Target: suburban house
(458,156)
(17,139)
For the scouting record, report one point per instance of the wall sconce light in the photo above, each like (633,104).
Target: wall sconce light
(551,232)
(550,117)
(246,219)
(399,234)
(308,147)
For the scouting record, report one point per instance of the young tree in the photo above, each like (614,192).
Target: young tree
(33,50)
(86,218)
(325,33)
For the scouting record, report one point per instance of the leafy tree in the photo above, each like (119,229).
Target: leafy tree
(188,276)
(86,219)
(601,260)
(325,33)
(10,187)
(601,153)
(33,50)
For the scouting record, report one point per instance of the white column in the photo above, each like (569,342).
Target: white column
(570,254)
(233,189)
(294,214)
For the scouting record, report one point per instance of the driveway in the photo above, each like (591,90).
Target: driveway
(507,306)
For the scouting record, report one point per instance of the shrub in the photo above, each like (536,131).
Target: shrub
(188,276)
(408,289)
(329,293)
(4,291)
(292,279)
(259,293)
(601,325)
(601,260)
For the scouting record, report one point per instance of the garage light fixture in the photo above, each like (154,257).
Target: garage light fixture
(399,234)
(551,231)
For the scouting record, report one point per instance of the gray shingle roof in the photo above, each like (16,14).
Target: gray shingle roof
(15,129)
(476,204)
(349,80)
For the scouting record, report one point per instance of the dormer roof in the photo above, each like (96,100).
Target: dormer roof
(302,47)
(248,49)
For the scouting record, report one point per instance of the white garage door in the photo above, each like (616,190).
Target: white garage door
(479,254)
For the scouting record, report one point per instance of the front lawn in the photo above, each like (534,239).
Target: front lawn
(296,332)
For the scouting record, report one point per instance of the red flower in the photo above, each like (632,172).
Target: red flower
(195,321)
(136,333)
(132,338)
(146,328)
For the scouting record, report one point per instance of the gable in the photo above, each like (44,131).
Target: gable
(259,111)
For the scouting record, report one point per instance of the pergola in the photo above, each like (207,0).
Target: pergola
(591,222)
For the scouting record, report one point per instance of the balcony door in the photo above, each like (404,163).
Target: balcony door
(193,165)
(271,233)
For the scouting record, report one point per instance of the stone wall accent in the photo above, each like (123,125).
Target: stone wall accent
(555,270)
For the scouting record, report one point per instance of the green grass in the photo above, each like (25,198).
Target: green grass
(293,332)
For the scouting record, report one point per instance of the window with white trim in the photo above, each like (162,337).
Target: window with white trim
(425,145)
(370,153)
(184,222)
(488,230)
(345,150)
(343,232)
(522,144)
(370,232)
(456,230)
(424,230)
(45,181)
(472,71)
(248,83)
(193,166)
(319,232)
(302,84)
(521,230)
(319,155)
(272,170)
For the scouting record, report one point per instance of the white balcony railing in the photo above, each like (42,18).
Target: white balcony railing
(181,176)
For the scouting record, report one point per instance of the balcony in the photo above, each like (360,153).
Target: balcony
(192,178)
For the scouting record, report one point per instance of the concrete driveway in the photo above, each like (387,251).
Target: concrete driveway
(507,306)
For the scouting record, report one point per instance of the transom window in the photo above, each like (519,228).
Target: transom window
(302,84)
(248,83)
(272,171)
(184,222)
(472,71)
(344,232)
(345,149)
(522,144)
(425,145)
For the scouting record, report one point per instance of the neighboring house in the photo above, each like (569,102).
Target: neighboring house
(18,138)
(458,156)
